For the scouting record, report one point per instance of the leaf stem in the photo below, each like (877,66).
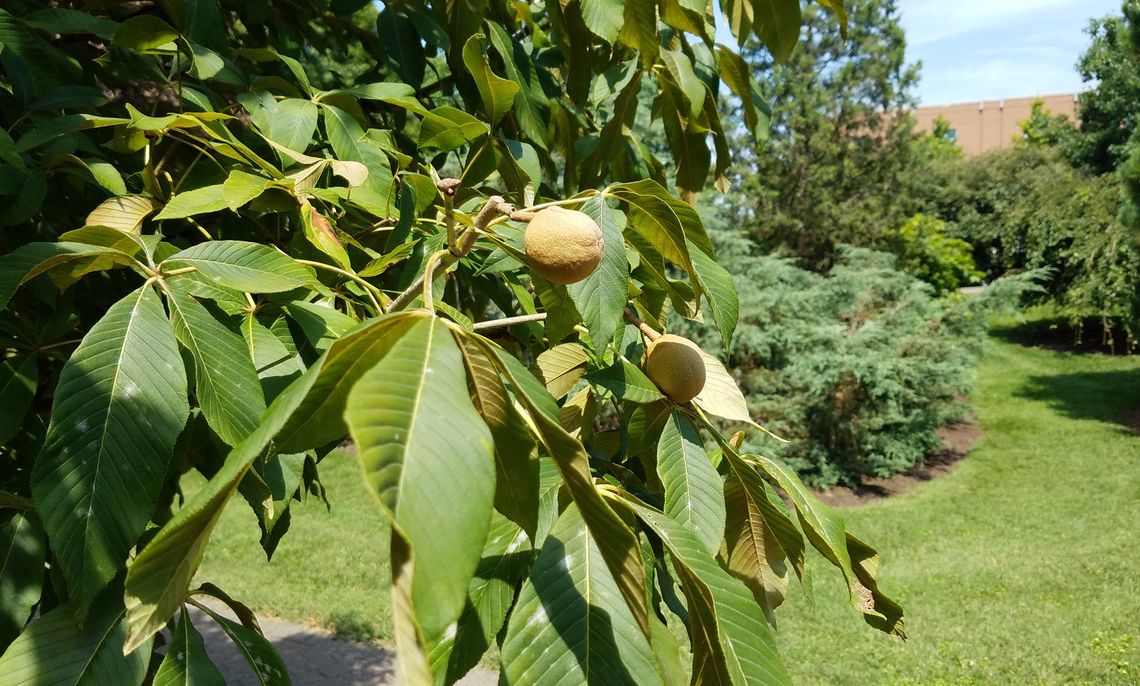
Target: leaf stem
(646,329)
(369,289)
(429,268)
(509,321)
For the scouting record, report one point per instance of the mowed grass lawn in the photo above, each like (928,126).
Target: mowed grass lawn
(1022,566)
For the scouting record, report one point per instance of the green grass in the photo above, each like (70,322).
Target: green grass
(1022,566)
(331,568)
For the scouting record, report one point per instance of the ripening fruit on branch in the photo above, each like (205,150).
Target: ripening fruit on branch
(675,365)
(563,246)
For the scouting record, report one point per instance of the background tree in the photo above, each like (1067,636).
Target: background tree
(837,162)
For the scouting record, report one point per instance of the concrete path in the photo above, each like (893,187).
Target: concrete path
(314,657)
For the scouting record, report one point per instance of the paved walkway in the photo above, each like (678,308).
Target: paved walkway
(314,657)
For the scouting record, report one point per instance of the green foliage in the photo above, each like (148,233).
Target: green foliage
(856,368)
(236,236)
(1107,110)
(1042,128)
(1026,208)
(925,251)
(840,158)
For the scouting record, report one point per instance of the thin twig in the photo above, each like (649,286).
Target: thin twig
(466,240)
(429,268)
(509,321)
(368,288)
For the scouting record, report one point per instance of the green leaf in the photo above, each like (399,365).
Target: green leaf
(754,553)
(732,642)
(186,662)
(654,219)
(350,143)
(604,18)
(627,382)
(531,104)
(506,558)
(721,396)
(119,406)
(244,266)
(198,201)
(421,444)
(569,623)
(601,296)
(159,579)
(320,322)
(681,69)
(720,289)
(291,123)
(402,44)
(69,21)
(277,363)
(560,367)
(516,461)
(617,542)
(738,77)
(258,652)
(22,554)
(739,15)
(32,259)
(91,654)
(242,187)
(226,383)
(320,233)
(694,494)
(777,23)
(125,212)
(878,610)
(639,30)
(18,379)
(498,94)
(143,33)
(399,94)
(446,128)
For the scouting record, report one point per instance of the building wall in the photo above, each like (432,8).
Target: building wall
(992,124)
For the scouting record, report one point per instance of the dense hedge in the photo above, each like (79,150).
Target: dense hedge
(857,367)
(1025,208)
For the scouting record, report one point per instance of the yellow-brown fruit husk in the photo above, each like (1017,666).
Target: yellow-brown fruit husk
(563,246)
(675,364)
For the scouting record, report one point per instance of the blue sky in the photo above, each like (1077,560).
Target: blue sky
(986,49)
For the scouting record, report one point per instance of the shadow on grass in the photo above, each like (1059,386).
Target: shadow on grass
(1058,333)
(1112,397)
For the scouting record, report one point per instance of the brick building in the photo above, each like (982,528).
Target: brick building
(991,124)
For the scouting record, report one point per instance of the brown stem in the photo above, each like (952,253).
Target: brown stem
(646,329)
(491,208)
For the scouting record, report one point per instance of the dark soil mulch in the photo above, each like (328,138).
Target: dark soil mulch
(1061,335)
(957,440)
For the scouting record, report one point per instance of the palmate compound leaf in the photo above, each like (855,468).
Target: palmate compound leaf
(616,541)
(570,625)
(428,457)
(730,637)
(694,492)
(57,651)
(244,266)
(158,580)
(119,406)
